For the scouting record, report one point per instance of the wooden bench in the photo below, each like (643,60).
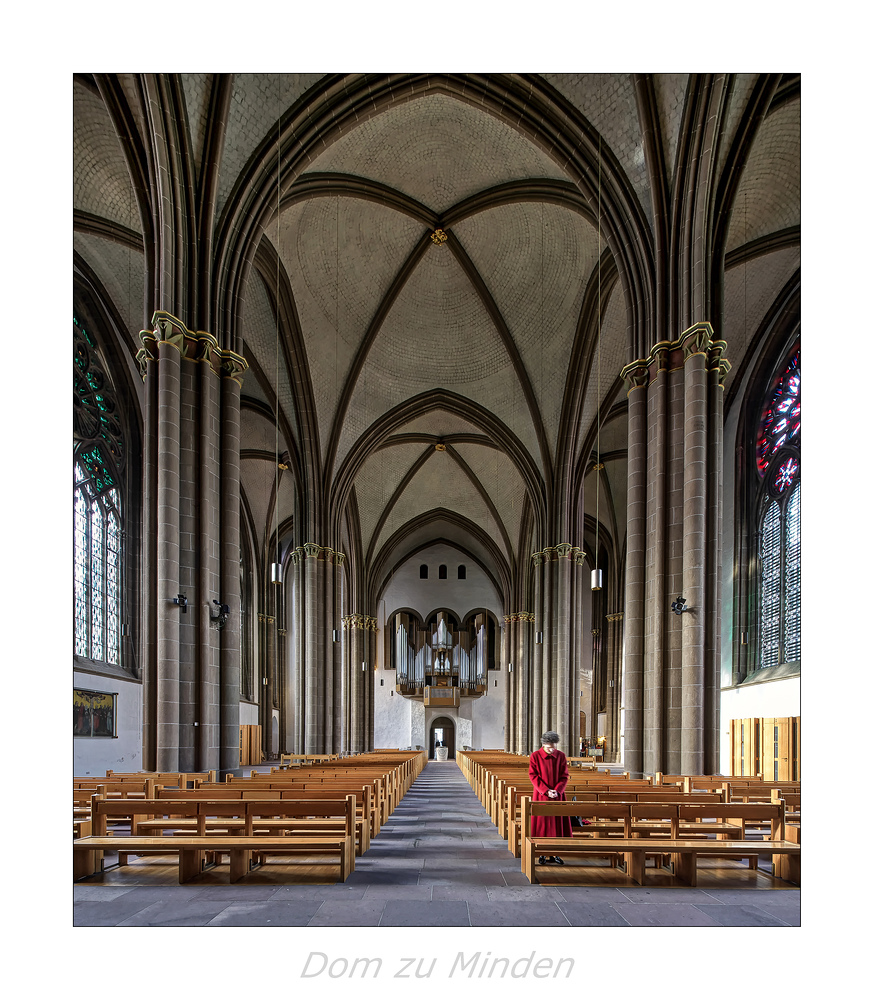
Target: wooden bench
(218,831)
(286,782)
(363,809)
(651,796)
(631,849)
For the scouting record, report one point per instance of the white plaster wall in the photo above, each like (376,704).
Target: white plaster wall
(248,714)
(392,725)
(406,590)
(772,699)
(95,756)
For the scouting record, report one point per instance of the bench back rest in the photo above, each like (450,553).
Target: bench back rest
(201,809)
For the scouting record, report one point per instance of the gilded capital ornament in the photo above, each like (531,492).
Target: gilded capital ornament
(192,345)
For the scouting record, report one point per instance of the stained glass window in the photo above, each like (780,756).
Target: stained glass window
(780,425)
(778,463)
(97,526)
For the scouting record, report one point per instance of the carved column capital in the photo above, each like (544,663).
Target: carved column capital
(192,345)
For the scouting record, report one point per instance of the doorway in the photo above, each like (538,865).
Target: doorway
(442,730)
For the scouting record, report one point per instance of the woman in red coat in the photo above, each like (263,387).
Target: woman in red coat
(547,769)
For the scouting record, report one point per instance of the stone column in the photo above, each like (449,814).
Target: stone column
(674,508)
(191,546)
(533,691)
(266,672)
(361,681)
(169,615)
(635,572)
(614,684)
(300,636)
(229,573)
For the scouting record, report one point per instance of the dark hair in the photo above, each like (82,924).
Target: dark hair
(549,737)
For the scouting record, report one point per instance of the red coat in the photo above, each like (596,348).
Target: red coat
(549,771)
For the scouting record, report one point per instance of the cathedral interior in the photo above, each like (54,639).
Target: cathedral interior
(406,402)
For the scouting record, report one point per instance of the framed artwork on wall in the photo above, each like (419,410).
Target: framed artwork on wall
(93,713)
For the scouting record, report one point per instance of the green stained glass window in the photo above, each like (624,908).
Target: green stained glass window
(97,525)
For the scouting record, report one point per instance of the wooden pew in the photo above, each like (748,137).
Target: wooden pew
(182,779)
(632,849)
(218,833)
(362,796)
(635,795)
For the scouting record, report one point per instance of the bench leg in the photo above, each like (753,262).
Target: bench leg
(189,864)
(84,863)
(790,867)
(239,864)
(635,866)
(686,868)
(528,861)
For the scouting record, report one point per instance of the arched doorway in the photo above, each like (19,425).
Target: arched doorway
(442,728)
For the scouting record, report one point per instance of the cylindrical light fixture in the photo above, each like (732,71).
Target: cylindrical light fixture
(363,666)
(597,579)
(510,668)
(275,573)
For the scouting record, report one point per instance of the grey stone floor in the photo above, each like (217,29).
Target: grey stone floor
(437,862)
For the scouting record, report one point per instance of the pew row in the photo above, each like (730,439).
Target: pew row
(630,851)
(246,830)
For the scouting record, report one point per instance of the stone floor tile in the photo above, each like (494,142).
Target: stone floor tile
(299,893)
(740,915)
(515,878)
(524,893)
(782,896)
(590,894)
(593,914)
(456,890)
(188,913)
(90,913)
(266,914)
(100,893)
(236,893)
(443,913)
(664,915)
(669,894)
(414,892)
(508,914)
(354,913)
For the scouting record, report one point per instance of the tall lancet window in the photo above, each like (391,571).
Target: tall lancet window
(778,463)
(97,514)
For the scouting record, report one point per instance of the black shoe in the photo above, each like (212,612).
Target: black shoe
(556,860)
(541,860)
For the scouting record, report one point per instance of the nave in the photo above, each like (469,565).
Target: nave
(437,861)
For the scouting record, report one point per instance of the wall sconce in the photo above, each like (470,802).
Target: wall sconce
(538,638)
(597,579)
(363,667)
(745,638)
(182,601)
(336,635)
(509,668)
(679,606)
(220,617)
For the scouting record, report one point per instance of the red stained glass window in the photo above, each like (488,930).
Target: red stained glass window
(781,417)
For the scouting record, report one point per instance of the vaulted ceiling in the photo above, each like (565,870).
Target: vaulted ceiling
(448,384)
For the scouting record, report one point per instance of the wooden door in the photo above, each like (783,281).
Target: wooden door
(770,749)
(743,739)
